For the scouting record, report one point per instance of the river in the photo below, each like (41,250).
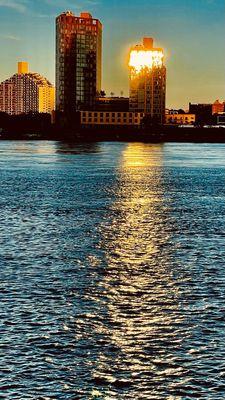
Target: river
(112,278)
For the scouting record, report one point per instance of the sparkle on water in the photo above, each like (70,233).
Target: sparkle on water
(112,275)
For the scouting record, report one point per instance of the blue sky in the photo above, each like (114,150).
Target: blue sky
(191,31)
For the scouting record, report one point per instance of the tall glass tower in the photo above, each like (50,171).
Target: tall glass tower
(148,80)
(78,61)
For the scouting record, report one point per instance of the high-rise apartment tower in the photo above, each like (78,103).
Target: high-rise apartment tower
(26,92)
(78,61)
(148,80)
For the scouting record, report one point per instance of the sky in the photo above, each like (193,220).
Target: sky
(192,33)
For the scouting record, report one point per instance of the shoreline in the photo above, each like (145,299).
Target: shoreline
(157,134)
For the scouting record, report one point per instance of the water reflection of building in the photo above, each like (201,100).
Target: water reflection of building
(70,148)
(138,287)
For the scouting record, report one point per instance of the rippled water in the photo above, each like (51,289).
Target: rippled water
(112,279)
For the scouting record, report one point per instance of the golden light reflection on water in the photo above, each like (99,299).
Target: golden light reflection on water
(141,155)
(139,195)
(139,288)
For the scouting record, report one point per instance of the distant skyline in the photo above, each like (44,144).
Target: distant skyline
(191,32)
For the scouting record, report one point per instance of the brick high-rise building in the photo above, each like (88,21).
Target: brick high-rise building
(218,107)
(26,92)
(148,80)
(78,61)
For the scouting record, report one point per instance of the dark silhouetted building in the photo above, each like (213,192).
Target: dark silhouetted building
(112,104)
(203,113)
(220,119)
(78,61)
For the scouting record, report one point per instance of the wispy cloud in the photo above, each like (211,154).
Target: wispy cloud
(38,15)
(10,37)
(61,3)
(92,2)
(70,4)
(17,5)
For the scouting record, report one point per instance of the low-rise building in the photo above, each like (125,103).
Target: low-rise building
(111,118)
(221,119)
(180,119)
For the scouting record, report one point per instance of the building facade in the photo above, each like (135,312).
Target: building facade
(26,92)
(180,119)
(112,104)
(221,119)
(148,80)
(203,113)
(110,118)
(78,61)
(218,107)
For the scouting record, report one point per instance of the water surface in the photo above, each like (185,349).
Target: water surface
(112,278)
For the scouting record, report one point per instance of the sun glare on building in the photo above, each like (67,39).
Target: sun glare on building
(148,80)
(145,59)
(145,56)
